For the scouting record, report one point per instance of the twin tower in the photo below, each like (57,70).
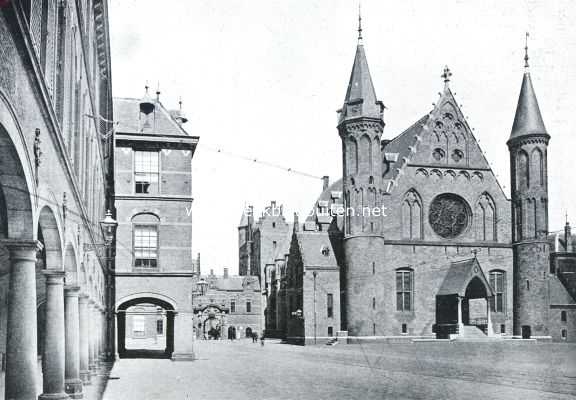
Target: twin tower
(360,126)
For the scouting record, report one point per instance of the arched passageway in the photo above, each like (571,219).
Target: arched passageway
(145,328)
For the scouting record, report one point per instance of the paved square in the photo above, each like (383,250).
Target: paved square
(243,370)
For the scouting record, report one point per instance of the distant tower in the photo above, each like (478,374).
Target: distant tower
(528,145)
(245,243)
(360,126)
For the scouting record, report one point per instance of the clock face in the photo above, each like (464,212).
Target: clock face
(449,215)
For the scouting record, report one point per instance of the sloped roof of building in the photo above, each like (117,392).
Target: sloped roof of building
(130,119)
(311,246)
(528,119)
(459,276)
(234,283)
(559,295)
(284,247)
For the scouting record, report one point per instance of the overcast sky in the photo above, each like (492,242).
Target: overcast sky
(264,78)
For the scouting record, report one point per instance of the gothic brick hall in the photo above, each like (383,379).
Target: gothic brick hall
(452,257)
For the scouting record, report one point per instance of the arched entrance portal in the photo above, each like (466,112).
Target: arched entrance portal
(145,328)
(463,302)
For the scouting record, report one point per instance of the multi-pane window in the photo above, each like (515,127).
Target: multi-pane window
(146,171)
(330,305)
(248,307)
(159,327)
(145,246)
(232,306)
(404,289)
(498,283)
(138,325)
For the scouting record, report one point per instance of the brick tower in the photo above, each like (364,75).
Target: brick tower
(360,126)
(528,145)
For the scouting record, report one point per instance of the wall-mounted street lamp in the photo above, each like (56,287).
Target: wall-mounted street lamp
(297,314)
(108,226)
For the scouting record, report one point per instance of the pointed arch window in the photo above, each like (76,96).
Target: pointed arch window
(537,167)
(486,222)
(522,170)
(412,216)
(353,156)
(365,152)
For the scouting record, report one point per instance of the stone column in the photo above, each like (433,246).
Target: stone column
(72,373)
(84,307)
(460,324)
(54,352)
(183,337)
(93,360)
(21,345)
(489,330)
(102,337)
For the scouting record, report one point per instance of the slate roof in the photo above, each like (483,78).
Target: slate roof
(130,119)
(558,292)
(311,244)
(459,275)
(360,87)
(528,119)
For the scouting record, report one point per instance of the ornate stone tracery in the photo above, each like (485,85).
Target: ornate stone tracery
(449,215)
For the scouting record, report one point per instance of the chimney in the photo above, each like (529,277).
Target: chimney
(211,272)
(325,182)
(225,273)
(568,237)
(296,223)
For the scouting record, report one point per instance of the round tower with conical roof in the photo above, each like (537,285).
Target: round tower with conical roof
(360,126)
(528,146)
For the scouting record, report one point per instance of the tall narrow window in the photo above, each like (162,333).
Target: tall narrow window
(498,283)
(563,316)
(232,306)
(145,246)
(330,305)
(146,171)
(145,240)
(159,327)
(138,325)
(412,216)
(248,307)
(404,289)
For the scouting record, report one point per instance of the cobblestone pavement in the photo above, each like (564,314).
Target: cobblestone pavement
(243,370)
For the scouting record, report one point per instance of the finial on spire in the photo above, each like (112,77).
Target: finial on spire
(359,22)
(180,102)
(446,75)
(526,58)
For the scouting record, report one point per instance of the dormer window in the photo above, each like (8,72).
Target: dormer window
(325,251)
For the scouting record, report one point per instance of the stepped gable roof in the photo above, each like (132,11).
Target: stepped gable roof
(130,119)
(459,275)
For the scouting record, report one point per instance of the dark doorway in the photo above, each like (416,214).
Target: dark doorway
(231,333)
(138,334)
(248,332)
(526,332)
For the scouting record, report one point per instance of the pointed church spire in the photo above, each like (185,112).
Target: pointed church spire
(359,22)
(526,58)
(360,100)
(528,120)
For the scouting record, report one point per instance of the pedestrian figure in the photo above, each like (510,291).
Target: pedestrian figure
(255,337)
(262,340)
